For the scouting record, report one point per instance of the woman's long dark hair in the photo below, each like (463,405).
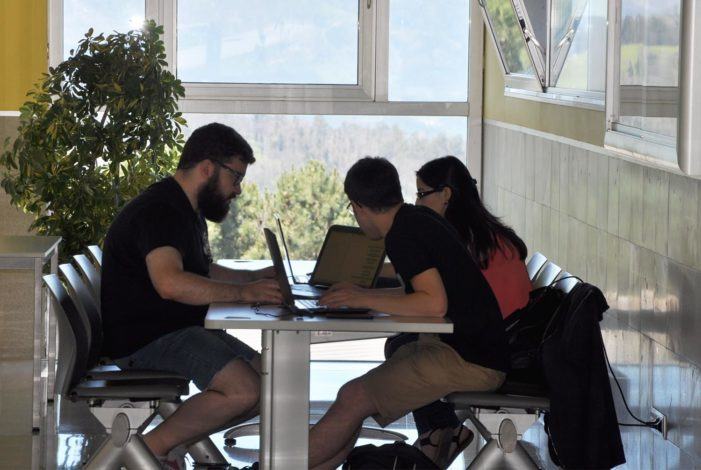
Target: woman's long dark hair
(480,229)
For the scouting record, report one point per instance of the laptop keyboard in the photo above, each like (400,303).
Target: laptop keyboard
(307,303)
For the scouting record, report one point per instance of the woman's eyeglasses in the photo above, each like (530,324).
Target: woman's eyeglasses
(423,194)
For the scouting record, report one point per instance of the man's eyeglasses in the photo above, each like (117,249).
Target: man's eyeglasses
(423,194)
(238,176)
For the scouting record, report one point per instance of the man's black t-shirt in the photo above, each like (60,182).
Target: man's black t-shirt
(420,240)
(133,313)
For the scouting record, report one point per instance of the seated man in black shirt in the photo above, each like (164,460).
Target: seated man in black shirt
(441,280)
(158,279)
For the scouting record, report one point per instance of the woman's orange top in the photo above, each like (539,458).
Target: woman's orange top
(508,278)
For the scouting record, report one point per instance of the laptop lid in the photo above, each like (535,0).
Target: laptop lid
(280,273)
(348,255)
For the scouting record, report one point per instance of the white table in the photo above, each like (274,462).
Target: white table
(284,417)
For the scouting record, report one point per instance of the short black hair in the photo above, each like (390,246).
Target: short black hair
(216,142)
(373,182)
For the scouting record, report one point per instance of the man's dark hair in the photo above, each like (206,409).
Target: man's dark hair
(216,142)
(373,182)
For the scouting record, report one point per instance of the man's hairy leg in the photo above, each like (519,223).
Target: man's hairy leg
(332,438)
(234,391)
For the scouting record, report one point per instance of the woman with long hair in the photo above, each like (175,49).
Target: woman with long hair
(446,186)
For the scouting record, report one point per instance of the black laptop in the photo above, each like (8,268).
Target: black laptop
(302,307)
(346,255)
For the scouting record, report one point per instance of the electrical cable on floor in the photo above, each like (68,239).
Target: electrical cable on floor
(643,424)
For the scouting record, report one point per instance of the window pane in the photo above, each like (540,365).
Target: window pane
(271,41)
(649,70)
(509,37)
(300,165)
(105,16)
(428,50)
(578,42)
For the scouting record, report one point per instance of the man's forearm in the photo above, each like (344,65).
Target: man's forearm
(397,303)
(218,272)
(193,289)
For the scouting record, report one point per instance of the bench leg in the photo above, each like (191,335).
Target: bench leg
(107,457)
(491,456)
(137,456)
(123,448)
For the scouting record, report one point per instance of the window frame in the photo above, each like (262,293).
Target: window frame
(369,96)
(251,99)
(537,87)
(657,149)
(364,90)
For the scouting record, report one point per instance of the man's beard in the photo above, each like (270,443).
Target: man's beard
(213,205)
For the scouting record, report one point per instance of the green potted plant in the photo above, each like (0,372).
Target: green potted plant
(98,129)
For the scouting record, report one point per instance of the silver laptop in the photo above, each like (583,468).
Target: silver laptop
(346,255)
(307,306)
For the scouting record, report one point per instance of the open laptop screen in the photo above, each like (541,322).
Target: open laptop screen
(348,255)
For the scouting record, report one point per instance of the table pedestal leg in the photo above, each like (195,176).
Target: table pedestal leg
(284,414)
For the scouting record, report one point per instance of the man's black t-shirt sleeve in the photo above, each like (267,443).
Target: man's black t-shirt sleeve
(159,225)
(408,256)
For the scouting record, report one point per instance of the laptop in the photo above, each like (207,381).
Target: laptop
(305,306)
(346,255)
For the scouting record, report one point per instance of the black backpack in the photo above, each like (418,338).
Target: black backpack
(395,456)
(525,331)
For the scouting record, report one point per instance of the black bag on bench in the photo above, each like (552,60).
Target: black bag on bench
(395,456)
(525,329)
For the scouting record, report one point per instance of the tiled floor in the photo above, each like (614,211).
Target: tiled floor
(79,434)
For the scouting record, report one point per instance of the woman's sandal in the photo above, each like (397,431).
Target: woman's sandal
(461,440)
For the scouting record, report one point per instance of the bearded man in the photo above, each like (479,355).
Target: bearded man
(158,279)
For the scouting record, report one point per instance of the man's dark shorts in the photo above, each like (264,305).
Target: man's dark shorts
(194,352)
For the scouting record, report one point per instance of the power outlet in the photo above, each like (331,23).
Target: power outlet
(660,422)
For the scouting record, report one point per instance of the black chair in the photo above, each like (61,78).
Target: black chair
(124,407)
(203,451)
(91,275)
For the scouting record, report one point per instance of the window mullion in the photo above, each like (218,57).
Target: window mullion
(382,50)
(366,46)
(163,12)
(55,32)
(613,64)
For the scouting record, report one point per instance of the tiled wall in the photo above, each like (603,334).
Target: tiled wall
(634,231)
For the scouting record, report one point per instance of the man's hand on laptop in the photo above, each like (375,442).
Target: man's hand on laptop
(265,273)
(261,291)
(344,294)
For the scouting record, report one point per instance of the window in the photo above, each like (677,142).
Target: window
(300,165)
(276,41)
(554,47)
(644,80)
(104,17)
(506,32)
(578,45)
(428,50)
